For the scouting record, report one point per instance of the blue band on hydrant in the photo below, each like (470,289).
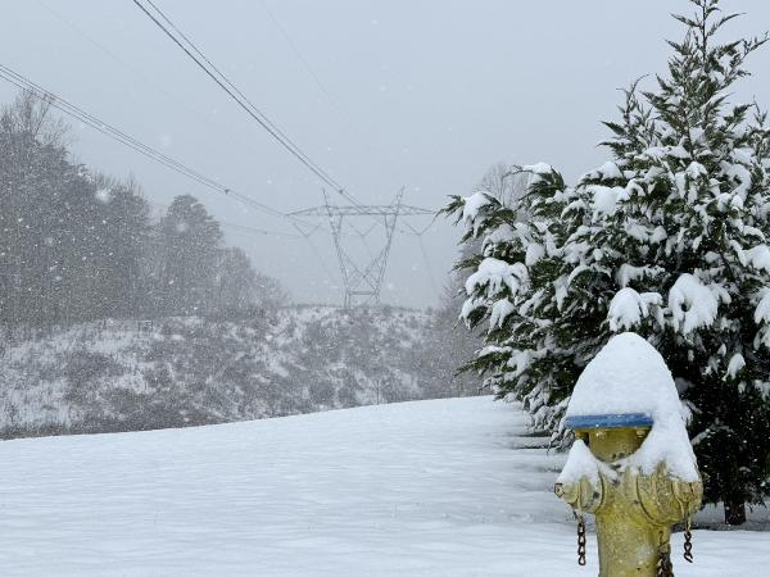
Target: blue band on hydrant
(608,421)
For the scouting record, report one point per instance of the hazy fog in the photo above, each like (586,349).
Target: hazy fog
(422,94)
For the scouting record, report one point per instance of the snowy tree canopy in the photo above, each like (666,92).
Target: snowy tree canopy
(668,238)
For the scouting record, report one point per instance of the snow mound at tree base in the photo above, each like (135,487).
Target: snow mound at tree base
(436,488)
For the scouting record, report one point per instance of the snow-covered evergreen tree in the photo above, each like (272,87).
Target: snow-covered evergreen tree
(670,238)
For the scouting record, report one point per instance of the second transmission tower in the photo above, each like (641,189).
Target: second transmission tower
(362,281)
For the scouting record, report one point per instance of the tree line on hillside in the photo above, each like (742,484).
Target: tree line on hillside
(669,239)
(76,245)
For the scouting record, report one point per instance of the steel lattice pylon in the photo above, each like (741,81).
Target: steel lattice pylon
(363,283)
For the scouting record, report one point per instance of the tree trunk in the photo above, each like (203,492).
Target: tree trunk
(735,512)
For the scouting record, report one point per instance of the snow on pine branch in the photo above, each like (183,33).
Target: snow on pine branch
(472,207)
(693,305)
(494,275)
(628,308)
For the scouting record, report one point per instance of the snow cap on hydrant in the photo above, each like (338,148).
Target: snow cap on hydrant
(629,385)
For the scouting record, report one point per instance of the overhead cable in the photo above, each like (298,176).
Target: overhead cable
(74,111)
(212,71)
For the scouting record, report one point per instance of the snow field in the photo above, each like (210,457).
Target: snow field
(429,488)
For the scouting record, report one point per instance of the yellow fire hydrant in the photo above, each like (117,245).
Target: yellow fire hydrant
(631,464)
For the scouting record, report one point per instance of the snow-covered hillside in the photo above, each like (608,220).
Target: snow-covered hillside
(432,488)
(130,375)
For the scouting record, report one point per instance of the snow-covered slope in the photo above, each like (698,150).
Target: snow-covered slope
(425,488)
(123,375)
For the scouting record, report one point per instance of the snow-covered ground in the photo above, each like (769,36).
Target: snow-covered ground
(427,488)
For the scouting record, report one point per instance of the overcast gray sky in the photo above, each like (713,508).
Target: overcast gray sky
(419,93)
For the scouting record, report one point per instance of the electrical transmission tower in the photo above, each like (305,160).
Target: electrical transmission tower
(362,279)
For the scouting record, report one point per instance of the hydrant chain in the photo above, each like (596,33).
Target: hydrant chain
(665,565)
(581,532)
(688,556)
(665,568)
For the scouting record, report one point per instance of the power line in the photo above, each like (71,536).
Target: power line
(239,227)
(139,74)
(336,104)
(322,87)
(420,234)
(317,254)
(211,70)
(260,231)
(428,266)
(308,68)
(24,83)
(298,54)
(375,270)
(106,129)
(422,231)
